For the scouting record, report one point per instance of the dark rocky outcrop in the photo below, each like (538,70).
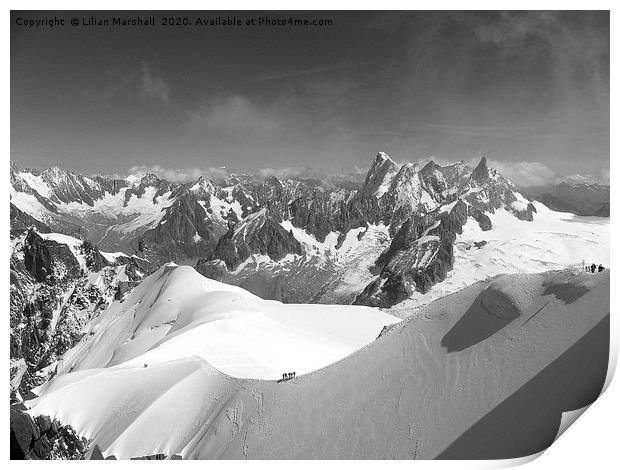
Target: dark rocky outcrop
(37,256)
(525,214)
(481,173)
(483,220)
(187,230)
(42,438)
(94,260)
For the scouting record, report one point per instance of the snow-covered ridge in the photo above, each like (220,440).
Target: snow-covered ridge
(410,394)
(234,331)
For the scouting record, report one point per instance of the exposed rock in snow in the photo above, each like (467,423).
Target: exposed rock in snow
(238,220)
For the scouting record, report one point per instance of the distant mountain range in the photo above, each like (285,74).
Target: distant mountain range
(219,225)
(398,227)
(581,199)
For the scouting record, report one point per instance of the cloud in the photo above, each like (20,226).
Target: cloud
(525,173)
(510,28)
(232,115)
(153,86)
(175,175)
(141,81)
(304,72)
(187,175)
(601,178)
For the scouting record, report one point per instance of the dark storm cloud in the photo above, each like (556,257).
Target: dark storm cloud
(523,88)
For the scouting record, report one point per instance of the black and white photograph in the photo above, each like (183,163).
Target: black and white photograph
(307,234)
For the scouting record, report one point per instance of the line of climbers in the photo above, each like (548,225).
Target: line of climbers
(592,268)
(288,375)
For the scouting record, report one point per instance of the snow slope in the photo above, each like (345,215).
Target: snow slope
(176,313)
(410,394)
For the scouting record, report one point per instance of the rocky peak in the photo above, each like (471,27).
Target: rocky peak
(150,179)
(379,176)
(429,168)
(481,172)
(271,190)
(382,162)
(383,157)
(260,233)
(204,186)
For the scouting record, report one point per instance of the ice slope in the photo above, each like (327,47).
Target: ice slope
(411,394)
(553,240)
(176,314)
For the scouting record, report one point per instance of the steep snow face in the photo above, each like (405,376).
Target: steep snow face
(408,395)
(177,314)
(553,240)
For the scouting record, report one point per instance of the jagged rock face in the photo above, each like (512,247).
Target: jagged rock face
(37,257)
(261,234)
(112,186)
(43,439)
(69,187)
(378,177)
(147,181)
(481,173)
(420,255)
(320,214)
(94,260)
(188,230)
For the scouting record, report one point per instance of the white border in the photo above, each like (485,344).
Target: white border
(592,442)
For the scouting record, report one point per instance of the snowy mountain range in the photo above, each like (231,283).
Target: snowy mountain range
(89,288)
(297,240)
(230,221)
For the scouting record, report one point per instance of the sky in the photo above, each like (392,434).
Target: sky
(529,90)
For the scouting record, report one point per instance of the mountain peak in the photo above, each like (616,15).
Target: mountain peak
(481,172)
(383,157)
(379,175)
(429,167)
